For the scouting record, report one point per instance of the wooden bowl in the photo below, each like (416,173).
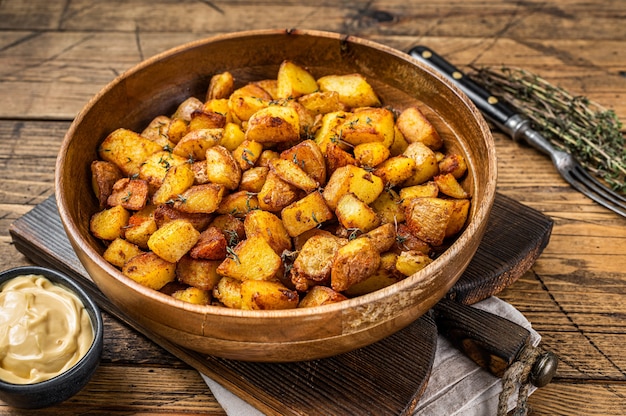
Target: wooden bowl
(159,84)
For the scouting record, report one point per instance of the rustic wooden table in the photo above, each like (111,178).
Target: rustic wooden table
(55,55)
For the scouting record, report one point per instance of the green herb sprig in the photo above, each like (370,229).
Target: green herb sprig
(575,124)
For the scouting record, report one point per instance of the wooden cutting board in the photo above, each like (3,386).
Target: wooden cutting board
(387,377)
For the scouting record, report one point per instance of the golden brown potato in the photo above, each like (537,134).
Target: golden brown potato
(186,108)
(371,154)
(368,125)
(252,180)
(417,128)
(322,102)
(396,170)
(385,275)
(268,226)
(454,164)
(156,166)
(247,100)
(193,146)
(305,214)
(157,131)
(166,212)
(253,258)
(198,273)
(388,207)
(426,165)
(354,262)
(132,194)
(231,226)
(228,292)
(120,251)
(232,137)
(247,153)
(399,144)
(173,240)
(274,124)
(109,224)
(353,213)
(193,295)
(176,129)
(177,180)
(140,227)
(320,295)
(406,241)
(428,218)
(314,261)
(294,80)
(308,156)
(222,168)
(448,185)
(352,179)
(211,245)
(382,238)
(267,295)
(238,204)
(127,150)
(206,120)
(220,86)
(276,194)
(410,262)
(290,172)
(219,106)
(329,129)
(103,177)
(353,89)
(336,158)
(458,216)
(150,270)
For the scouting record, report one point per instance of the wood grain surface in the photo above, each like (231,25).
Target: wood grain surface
(55,55)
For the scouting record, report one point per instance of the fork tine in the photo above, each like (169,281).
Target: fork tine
(594,189)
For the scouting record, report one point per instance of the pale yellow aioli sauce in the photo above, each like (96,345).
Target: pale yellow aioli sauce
(44,330)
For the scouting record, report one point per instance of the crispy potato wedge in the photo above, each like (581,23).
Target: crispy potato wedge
(238,204)
(120,251)
(177,180)
(395,170)
(247,153)
(228,292)
(206,120)
(388,207)
(247,100)
(371,154)
(276,194)
(221,86)
(308,156)
(267,295)
(253,258)
(428,218)
(268,226)
(386,275)
(322,102)
(193,295)
(320,295)
(233,136)
(173,240)
(353,213)
(448,185)
(186,109)
(193,146)
(274,124)
(417,128)
(104,175)
(252,180)
(156,166)
(157,131)
(368,125)
(353,89)
(211,245)
(314,262)
(141,225)
(291,173)
(352,179)
(198,273)
(426,165)
(305,214)
(109,224)
(132,194)
(127,150)
(354,262)
(166,212)
(222,168)
(410,262)
(150,270)
(294,80)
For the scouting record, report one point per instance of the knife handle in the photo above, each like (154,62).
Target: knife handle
(498,112)
(491,341)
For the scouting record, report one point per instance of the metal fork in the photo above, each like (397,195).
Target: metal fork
(513,123)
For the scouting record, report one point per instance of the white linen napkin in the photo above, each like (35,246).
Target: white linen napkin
(457,386)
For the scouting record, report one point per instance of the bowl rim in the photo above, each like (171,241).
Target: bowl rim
(479,219)
(59,278)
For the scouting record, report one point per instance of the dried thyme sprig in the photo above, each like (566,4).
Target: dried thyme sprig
(574,124)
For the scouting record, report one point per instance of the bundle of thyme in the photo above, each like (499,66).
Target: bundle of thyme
(573,124)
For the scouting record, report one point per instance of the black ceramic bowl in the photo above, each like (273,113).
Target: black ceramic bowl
(70,382)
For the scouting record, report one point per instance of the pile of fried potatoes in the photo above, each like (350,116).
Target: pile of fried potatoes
(282,193)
